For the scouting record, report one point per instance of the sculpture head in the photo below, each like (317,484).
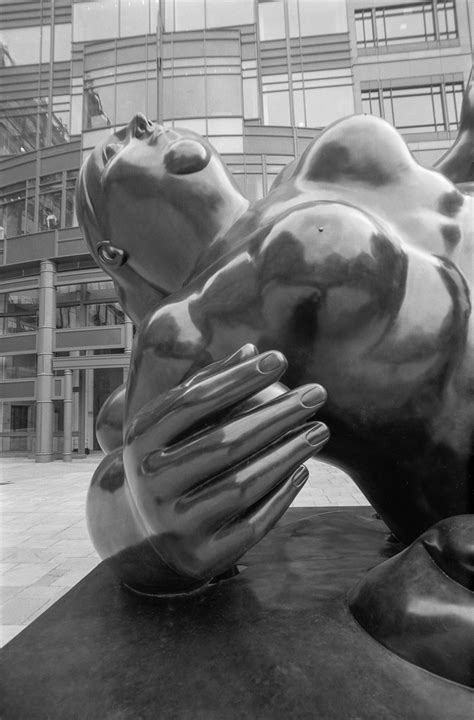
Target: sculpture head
(149,201)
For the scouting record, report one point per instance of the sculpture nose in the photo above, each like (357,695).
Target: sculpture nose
(140,126)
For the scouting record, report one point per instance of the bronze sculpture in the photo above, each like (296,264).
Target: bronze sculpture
(356,267)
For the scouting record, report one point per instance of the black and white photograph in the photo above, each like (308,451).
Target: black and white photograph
(236,360)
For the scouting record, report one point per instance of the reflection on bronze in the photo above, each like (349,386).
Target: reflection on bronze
(356,267)
(420,603)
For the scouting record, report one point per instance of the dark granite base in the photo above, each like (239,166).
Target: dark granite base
(275,642)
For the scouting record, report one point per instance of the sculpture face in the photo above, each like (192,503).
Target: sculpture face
(140,191)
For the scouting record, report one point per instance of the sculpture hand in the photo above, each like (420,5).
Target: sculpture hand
(211,478)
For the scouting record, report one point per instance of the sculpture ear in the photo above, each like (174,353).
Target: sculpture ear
(111,255)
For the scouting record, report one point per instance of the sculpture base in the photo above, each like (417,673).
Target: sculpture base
(276,641)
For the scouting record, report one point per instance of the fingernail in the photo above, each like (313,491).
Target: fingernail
(269,363)
(313,397)
(317,434)
(300,476)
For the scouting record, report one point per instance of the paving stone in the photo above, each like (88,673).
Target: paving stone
(8,632)
(17,612)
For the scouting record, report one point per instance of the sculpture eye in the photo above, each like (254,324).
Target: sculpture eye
(186,156)
(111,255)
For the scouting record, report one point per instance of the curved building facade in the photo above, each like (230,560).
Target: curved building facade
(260,79)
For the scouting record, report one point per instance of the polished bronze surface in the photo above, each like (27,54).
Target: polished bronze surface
(420,603)
(276,642)
(458,163)
(356,266)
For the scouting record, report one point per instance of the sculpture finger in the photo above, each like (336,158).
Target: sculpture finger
(232,494)
(244,353)
(188,463)
(231,542)
(159,422)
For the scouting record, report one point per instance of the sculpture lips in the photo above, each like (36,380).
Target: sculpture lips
(186,156)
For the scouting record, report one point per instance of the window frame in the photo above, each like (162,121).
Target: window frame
(378,16)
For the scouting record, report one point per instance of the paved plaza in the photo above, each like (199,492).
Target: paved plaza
(44,543)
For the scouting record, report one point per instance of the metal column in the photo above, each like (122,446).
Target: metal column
(67,441)
(44,377)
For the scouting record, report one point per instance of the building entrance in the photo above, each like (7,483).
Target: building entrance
(106,380)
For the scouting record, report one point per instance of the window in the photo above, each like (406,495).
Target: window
(134,17)
(184,96)
(188,15)
(320,106)
(17,424)
(13,367)
(276,108)
(254,187)
(119,83)
(419,22)
(62,42)
(101,305)
(271,18)
(454,93)
(321,17)
(447,23)
(250,89)
(203,87)
(68,302)
(130,99)
(95,20)
(224,95)
(276,100)
(221,13)
(428,108)
(70,219)
(18,311)
(371,103)
(55,204)
(99,102)
(86,305)
(13,209)
(50,197)
(104,314)
(28,45)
